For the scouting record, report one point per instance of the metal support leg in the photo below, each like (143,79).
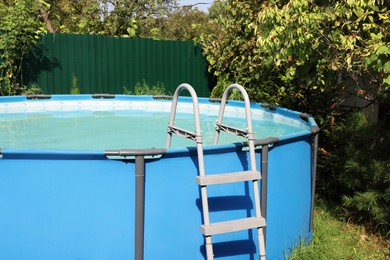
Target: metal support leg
(264,185)
(139,206)
(126,155)
(313,184)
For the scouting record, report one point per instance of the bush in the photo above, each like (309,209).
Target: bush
(74,90)
(144,89)
(20,30)
(302,54)
(33,90)
(358,170)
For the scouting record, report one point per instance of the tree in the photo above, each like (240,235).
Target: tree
(20,29)
(76,16)
(308,55)
(109,17)
(186,24)
(217,10)
(358,171)
(295,52)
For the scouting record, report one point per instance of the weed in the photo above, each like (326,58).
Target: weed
(145,89)
(74,90)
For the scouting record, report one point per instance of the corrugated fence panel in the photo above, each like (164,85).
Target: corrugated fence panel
(103,64)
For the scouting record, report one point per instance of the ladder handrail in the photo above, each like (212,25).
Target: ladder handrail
(248,117)
(252,156)
(190,89)
(199,148)
(221,227)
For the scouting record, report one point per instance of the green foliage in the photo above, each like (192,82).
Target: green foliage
(158,19)
(20,29)
(108,17)
(186,24)
(74,90)
(81,16)
(379,61)
(300,54)
(145,89)
(358,170)
(33,90)
(161,19)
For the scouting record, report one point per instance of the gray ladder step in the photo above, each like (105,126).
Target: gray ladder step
(232,226)
(231,130)
(228,177)
(182,132)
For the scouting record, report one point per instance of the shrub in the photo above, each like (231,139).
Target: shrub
(33,90)
(358,170)
(74,90)
(19,31)
(145,89)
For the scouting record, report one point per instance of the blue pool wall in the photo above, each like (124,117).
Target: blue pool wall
(80,204)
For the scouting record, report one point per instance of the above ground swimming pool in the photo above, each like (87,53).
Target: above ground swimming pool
(89,177)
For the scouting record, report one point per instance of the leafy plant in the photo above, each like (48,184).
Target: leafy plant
(33,90)
(74,90)
(108,17)
(300,54)
(145,89)
(19,31)
(379,61)
(186,24)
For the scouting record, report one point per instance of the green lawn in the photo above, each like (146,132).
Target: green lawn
(336,239)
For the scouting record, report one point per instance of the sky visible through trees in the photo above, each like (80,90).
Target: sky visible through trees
(202,5)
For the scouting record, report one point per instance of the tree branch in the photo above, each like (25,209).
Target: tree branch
(45,16)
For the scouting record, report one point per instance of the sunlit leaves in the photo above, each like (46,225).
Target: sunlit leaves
(306,49)
(20,29)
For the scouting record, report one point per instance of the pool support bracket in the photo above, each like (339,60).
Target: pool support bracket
(314,130)
(38,96)
(265,144)
(137,155)
(103,96)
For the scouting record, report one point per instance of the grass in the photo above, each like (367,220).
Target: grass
(337,239)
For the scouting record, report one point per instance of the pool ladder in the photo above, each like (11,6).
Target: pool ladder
(208,229)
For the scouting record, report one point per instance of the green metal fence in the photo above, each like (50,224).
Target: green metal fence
(103,64)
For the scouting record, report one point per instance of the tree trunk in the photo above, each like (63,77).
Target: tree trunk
(45,16)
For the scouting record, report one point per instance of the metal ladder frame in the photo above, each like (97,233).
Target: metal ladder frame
(209,229)
(249,134)
(197,136)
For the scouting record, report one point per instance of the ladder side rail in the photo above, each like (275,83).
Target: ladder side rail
(252,155)
(203,189)
(221,112)
(248,117)
(199,147)
(175,99)
(198,131)
(251,145)
(172,115)
(255,183)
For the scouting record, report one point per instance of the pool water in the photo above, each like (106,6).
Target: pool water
(117,129)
